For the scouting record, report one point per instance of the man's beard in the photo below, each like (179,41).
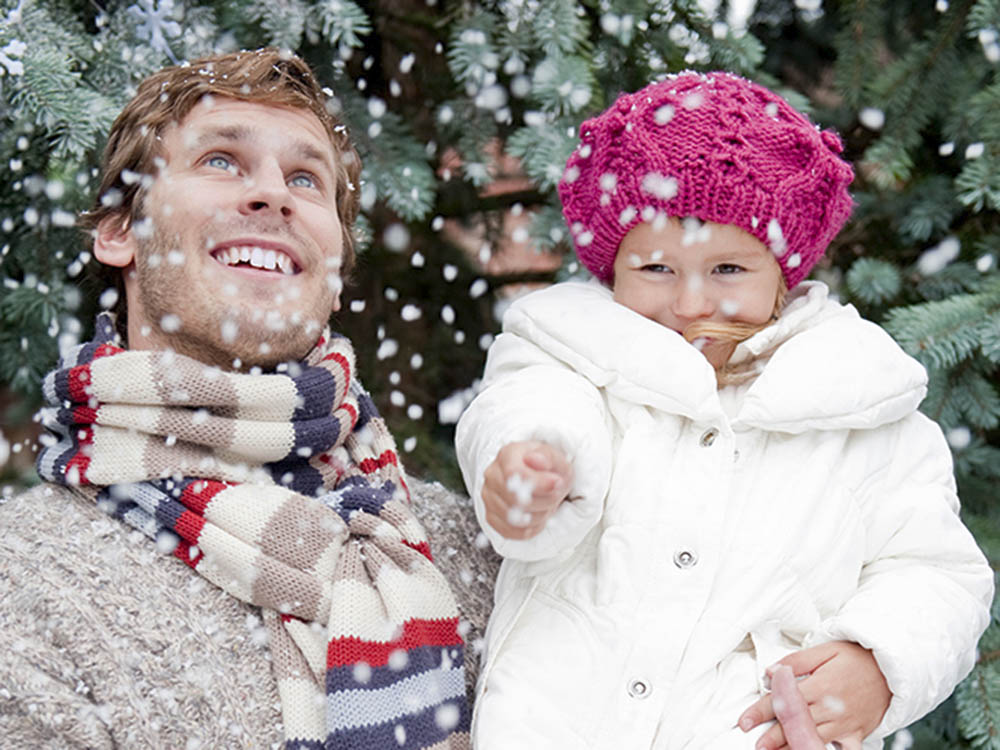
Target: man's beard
(207,325)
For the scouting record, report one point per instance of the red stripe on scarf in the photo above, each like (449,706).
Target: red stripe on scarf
(189,526)
(352,411)
(416,633)
(371,465)
(106,350)
(341,360)
(183,553)
(84,415)
(78,381)
(80,461)
(422,547)
(198,495)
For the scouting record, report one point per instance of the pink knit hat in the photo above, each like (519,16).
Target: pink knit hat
(713,146)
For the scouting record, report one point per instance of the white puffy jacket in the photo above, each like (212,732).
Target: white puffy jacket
(710,533)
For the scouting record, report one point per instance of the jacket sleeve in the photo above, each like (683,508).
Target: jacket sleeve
(924,592)
(529,395)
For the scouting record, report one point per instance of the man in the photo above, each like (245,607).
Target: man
(224,554)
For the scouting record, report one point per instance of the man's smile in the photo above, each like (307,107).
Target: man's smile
(257,257)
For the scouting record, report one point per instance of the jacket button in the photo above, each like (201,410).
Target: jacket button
(709,437)
(639,689)
(684,559)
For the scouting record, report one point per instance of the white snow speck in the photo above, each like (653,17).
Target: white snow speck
(947,148)
(362,673)
(627,215)
(693,100)
(959,437)
(478,288)
(446,717)
(398,659)
(933,260)
(695,231)
(109,298)
(729,307)
(659,185)
(974,150)
(396,237)
(776,239)
(387,348)
(170,323)
(521,488)
(410,313)
(872,118)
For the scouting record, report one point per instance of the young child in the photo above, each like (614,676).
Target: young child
(699,465)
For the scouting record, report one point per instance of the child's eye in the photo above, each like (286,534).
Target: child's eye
(303,179)
(656,268)
(728,268)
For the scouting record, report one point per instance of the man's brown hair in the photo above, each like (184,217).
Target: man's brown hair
(266,76)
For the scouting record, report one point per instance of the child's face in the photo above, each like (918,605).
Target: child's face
(677,273)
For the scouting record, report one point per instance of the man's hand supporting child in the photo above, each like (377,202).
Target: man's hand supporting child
(845,691)
(524,486)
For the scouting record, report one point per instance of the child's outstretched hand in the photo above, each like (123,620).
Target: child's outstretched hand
(845,691)
(523,487)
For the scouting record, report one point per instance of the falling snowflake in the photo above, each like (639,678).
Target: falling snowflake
(155,24)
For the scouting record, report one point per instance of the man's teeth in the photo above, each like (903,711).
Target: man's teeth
(257,257)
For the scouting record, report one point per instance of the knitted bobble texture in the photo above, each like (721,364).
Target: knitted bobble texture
(715,147)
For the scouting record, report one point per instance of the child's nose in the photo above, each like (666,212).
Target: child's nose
(692,300)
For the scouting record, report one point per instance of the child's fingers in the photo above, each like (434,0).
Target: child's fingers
(510,521)
(548,458)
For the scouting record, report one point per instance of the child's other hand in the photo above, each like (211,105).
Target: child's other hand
(523,487)
(845,690)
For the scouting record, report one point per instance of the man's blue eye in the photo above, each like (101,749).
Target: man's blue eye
(219,162)
(303,180)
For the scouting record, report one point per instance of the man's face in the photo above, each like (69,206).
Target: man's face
(238,256)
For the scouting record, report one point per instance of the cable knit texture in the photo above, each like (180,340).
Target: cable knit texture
(715,147)
(106,643)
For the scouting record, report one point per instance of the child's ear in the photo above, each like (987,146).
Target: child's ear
(114,244)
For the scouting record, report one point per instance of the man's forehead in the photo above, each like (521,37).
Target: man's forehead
(223,118)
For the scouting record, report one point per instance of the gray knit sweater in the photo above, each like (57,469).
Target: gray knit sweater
(105,643)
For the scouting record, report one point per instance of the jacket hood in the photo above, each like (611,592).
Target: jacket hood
(830,368)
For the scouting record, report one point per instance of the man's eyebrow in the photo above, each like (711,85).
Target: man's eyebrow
(222,133)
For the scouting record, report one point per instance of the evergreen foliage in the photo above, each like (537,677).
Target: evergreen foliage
(435,91)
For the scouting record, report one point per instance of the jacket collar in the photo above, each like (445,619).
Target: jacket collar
(830,368)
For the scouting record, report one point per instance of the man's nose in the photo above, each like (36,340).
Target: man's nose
(267,191)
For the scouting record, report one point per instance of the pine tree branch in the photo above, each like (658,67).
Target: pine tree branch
(457,200)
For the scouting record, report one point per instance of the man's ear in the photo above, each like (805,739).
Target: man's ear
(114,244)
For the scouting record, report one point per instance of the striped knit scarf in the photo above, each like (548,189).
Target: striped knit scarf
(285,491)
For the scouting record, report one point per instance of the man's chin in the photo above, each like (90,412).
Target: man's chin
(248,352)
